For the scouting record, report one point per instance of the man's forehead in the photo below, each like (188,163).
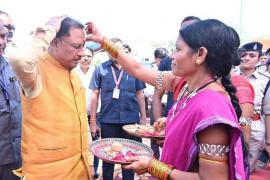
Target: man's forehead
(87,52)
(5,19)
(251,52)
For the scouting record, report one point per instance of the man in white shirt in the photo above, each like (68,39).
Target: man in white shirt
(85,71)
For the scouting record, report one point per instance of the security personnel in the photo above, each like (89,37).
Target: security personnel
(249,59)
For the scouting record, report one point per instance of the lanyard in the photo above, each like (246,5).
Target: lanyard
(117,81)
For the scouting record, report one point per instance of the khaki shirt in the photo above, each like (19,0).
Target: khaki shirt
(266,102)
(258,81)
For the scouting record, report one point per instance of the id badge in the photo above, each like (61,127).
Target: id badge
(116,93)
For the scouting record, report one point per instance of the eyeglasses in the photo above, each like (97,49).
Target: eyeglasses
(9,27)
(77,47)
(88,57)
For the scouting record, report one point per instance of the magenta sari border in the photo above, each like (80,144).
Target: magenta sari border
(215,120)
(204,124)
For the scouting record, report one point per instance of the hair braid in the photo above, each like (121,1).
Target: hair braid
(226,82)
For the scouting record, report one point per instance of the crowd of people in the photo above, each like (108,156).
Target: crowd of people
(54,102)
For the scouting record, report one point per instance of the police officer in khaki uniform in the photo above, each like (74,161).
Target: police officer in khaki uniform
(249,59)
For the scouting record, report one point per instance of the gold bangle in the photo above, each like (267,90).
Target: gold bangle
(110,47)
(213,161)
(159,169)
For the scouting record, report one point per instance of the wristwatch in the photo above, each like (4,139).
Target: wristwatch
(244,121)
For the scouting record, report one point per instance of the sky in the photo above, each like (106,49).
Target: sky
(142,22)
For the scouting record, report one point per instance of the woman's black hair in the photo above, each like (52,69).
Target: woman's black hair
(221,42)
(237,56)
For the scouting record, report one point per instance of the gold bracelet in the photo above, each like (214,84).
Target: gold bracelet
(213,161)
(159,169)
(110,47)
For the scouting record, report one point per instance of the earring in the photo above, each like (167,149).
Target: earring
(198,62)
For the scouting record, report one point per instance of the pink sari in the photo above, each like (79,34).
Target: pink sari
(207,108)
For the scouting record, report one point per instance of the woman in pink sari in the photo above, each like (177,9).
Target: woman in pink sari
(202,134)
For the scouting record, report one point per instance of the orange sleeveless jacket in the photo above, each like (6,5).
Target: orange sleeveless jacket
(54,133)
